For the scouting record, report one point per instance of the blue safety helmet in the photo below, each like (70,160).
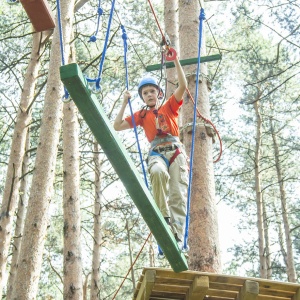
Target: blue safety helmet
(148,81)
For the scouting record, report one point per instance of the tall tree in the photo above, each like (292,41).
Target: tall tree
(73,284)
(259,197)
(21,214)
(97,236)
(288,254)
(204,254)
(171,30)
(41,192)
(12,183)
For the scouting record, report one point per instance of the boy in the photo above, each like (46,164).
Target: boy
(167,162)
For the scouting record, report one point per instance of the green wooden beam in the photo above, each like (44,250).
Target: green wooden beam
(185,62)
(95,117)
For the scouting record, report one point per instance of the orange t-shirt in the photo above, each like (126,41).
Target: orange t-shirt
(167,119)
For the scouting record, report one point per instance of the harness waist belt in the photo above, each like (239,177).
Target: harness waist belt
(166,148)
(161,140)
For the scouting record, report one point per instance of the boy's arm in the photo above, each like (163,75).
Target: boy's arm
(182,83)
(120,123)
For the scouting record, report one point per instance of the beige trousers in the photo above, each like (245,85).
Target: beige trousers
(169,187)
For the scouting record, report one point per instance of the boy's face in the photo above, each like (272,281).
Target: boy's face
(149,94)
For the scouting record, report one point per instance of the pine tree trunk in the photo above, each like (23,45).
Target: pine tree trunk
(280,233)
(41,192)
(73,285)
(85,286)
(267,240)
(130,255)
(171,25)
(203,239)
(151,252)
(11,188)
(259,198)
(96,261)
(21,214)
(290,265)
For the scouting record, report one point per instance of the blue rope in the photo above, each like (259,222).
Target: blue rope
(98,79)
(124,37)
(93,38)
(61,42)
(201,18)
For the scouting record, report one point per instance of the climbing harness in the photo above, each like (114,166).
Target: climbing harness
(97,80)
(168,162)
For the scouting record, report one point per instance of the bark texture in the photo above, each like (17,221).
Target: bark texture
(21,214)
(171,29)
(259,198)
(30,259)
(73,284)
(95,278)
(12,183)
(288,255)
(203,239)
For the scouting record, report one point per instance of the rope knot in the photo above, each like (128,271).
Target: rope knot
(93,38)
(202,14)
(124,34)
(100,11)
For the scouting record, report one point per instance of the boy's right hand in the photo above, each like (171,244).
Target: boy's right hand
(126,97)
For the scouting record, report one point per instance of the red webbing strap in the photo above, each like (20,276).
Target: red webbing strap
(177,152)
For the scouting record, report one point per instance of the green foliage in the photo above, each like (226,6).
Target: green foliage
(260,50)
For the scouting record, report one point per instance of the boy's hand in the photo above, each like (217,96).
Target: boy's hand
(126,97)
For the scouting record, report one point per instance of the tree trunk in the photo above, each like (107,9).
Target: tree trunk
(290,265)
(267,241)
(73,285)
(130,255)
(30,259)
(151,252)
(95,278)
(11,189)
(21,214)
(203,240)
(171,25)
(85,287)
(259,199)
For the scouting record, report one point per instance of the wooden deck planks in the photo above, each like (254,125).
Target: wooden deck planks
(210,286)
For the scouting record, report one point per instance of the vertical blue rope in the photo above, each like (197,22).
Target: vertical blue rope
(124,37)
(61,42)
(93,38)
(201,18)
(105,45)
(98,79)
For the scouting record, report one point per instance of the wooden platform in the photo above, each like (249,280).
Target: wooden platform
(161,284)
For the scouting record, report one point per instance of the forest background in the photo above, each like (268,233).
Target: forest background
(254,103)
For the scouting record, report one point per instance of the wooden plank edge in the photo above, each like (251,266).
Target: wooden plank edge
(185,62)
(147,285)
